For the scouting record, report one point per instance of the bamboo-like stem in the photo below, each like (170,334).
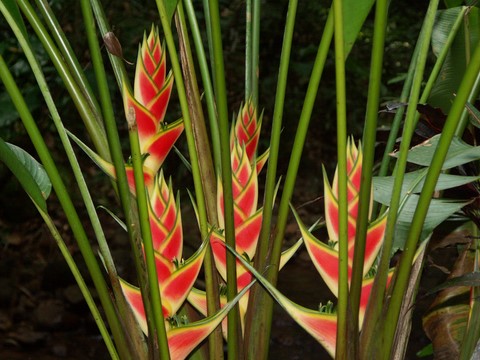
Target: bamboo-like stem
(343,344)
(94,128)
(58,185)
(118,65)
(421,211)
(255,69)
(134,331)
(261,320)
(209,180)
(233,342)
(216,346)
(248,50)
(369,134)
(206,81)
(69,56)
(156,325)
(82,286)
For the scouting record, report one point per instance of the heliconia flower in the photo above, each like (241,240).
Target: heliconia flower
(149,100)
(246,131)
(148,104)
(318,323)
(244,138)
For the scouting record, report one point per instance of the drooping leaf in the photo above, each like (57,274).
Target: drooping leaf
(29,172)
(459,153)
(413,183)
(11,7)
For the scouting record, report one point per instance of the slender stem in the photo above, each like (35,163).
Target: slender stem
(69,56)
(248,50)
(117,63)
(342,341)
(233,345)
(122,185)
(369,134)
(446,137)
(209,180)
(216,349)
(58,185)
(255,69)
(158,329)
(207,82)
(94,128)
(262,319)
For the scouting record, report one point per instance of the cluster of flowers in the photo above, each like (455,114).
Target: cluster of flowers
(176,277)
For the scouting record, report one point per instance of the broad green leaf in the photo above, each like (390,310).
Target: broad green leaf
(413,183)
(28,171)
(458,154)
(354,12)
(458,57)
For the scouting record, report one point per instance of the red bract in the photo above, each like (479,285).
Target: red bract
(149,100)
(326,258)
(247,218)
(175,277)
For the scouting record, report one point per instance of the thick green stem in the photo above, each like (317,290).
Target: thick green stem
(233,343)
(60,188)
(136,336)
(261,320)
(216,345)
(343,343)
(448,132)
(157,325)
(369,140)
(95,129)
(206,81)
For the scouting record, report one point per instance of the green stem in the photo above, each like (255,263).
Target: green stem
(117,63)
(122,184)
(255,49)
(206,81)
(369,140)
(446,137)
(94,128)
(157,325)
(248,50)
(215,340)
(261,320)
(58,185)
(69,56)
(81,284)
(342,344)
(233,341)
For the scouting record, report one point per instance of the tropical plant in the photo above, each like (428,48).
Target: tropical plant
(367,219)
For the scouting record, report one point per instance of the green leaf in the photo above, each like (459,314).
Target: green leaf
(458,57)
(354,13)
(439,210)
(474,113)
(413,183)
(458,154)
(28,171)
